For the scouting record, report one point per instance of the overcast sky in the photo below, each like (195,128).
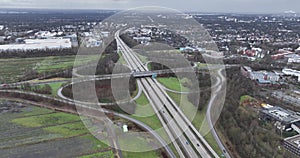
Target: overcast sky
(248,6)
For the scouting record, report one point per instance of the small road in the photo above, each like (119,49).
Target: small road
(32,83)
(215,91)
(59,92)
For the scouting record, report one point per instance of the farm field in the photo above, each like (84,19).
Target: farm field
(14,68)
(29,131)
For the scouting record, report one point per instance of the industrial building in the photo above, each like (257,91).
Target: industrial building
(291,72)
(38,44)
(261,77)
(292,144)
(282,118)
(290,99)
(293,58)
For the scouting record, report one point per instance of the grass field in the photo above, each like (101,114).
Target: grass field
(145,109)
(121,59)
(172,83)
(149,154)
(246,97)
(53,63)
(211,141)
(68,130)
(107,154)
(14,68)
(45,120)
(55,87)
(144,59)
(39,132)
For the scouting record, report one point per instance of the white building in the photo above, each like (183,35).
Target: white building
(142,39)
(294,60)
(272,77)
(254,75)
(38,44)
(125,128)
(292,72)
(105,34)
(264,76)
(45,34)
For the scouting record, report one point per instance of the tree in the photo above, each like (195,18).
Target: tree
(47,89)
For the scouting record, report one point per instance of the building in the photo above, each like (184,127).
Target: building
(281,54)
(38,44)
(290,99)
(187,48)
(246,70)
(263,82)
(91,42)
(125,128)
(105,34)
(255,75)
(283,118)
(291,72)
(73,39)
(292,144)
(273,77)
(142,40)
(293,58)
(252,53)
(261,77)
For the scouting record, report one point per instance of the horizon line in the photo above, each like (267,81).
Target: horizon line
(108,9)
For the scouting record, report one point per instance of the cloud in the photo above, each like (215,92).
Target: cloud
(183,5)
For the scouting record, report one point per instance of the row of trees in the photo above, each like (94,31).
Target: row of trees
(33,74)
(41,89)
(37,53)
(103,92)
(38,99)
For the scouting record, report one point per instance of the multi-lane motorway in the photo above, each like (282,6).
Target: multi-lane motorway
(187,140)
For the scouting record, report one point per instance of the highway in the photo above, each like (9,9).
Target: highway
(189,142)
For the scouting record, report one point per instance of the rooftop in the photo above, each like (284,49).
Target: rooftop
(34,44)
(295,140)
(282,115)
